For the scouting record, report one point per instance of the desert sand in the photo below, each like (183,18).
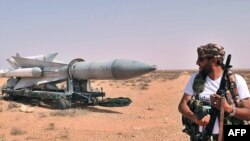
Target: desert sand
(152,116)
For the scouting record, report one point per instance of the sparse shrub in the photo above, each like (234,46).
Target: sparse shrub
(147,80)
(17,131)
(32,138)
(64,135)
(138,79)
(143,86)
(42,115)
(14,105)
(132,81)
(51,126)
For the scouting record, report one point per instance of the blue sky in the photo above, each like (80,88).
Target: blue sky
(160,32)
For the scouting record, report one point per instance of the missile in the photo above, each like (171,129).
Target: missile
(49,57)
(100,70)
(22,72)
(33,71)
(117,69)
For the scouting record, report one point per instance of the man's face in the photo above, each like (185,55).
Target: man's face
(205,65)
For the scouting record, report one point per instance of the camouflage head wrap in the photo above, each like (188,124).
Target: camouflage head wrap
(211,50)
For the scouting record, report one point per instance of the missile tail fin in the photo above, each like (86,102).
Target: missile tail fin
(26,63)
(51,57)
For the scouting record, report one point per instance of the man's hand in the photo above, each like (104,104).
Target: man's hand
(204,121)
(216,102)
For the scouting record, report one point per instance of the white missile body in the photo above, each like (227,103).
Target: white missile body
(22,72)
(109,69)
(35,71)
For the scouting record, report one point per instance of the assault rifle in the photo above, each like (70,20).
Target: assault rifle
(220,113)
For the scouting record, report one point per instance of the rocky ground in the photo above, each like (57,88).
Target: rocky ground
(152,116)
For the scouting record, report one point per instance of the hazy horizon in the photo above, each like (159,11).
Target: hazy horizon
(164,33)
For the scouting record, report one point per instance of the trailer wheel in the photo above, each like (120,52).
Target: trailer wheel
(14,97)
(95,101)
(61,104)
(67,103)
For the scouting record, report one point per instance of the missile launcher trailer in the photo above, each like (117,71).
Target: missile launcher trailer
(76,91)
(37,77)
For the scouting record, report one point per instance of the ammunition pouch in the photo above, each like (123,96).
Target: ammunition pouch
(191,128)
(235,121)
(196,106)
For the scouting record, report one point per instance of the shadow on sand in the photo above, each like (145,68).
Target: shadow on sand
(48,104)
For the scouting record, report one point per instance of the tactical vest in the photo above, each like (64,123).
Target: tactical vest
(232,96)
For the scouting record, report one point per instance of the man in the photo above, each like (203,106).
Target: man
(210,62)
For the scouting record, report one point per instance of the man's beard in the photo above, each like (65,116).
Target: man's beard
(205,71)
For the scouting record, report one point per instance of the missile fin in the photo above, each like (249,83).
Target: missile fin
(12,62)
(26,63)
(51,57)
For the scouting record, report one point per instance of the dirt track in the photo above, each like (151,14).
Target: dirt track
(152,116)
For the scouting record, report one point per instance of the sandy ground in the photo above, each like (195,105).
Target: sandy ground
(152,116)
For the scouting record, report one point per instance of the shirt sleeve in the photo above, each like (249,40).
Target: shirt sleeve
(242,87)
(189,87)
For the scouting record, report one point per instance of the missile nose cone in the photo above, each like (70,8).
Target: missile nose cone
(151,68)
(36,72)
(125,69)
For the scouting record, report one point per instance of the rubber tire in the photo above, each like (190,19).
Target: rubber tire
(95,101)
(67,103)
(61,104)
(14,97)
